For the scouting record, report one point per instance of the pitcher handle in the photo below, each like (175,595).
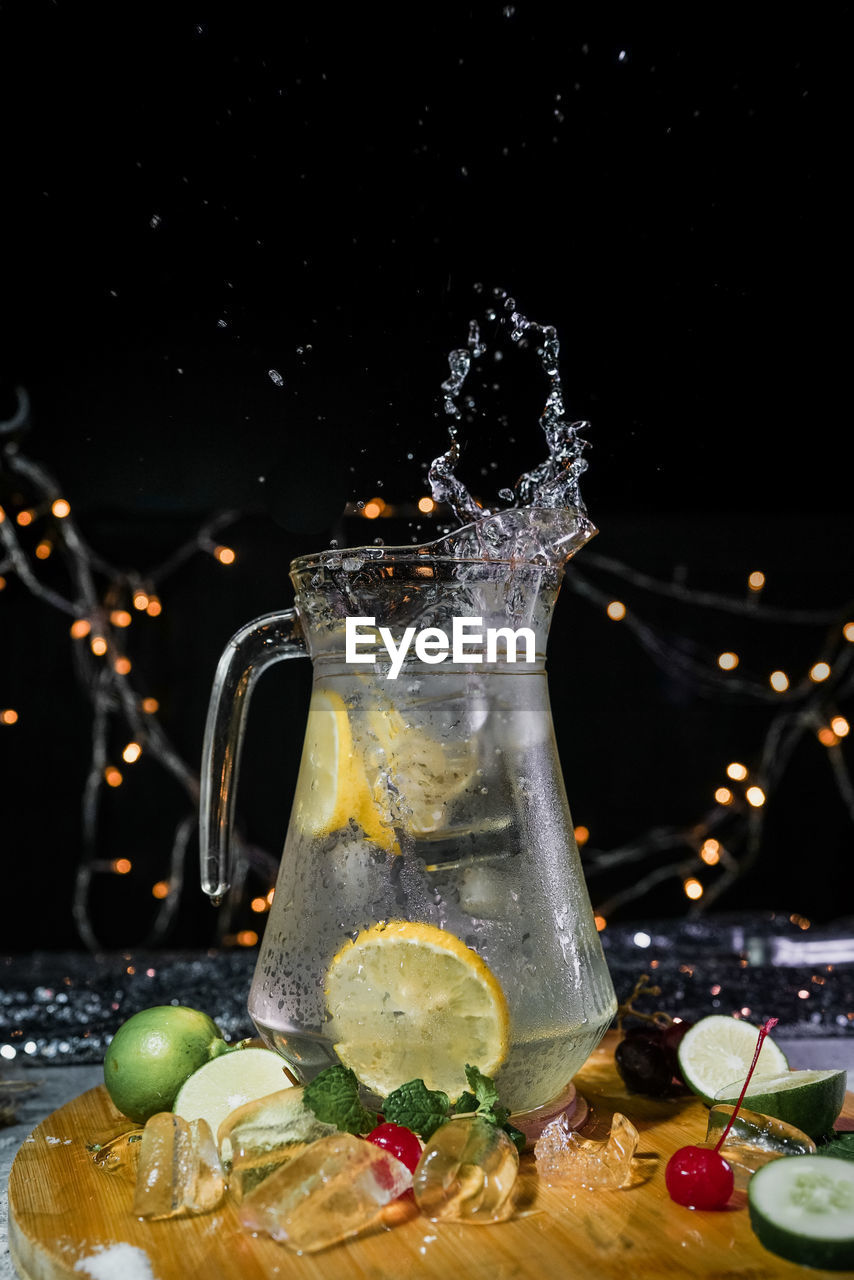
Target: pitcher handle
(249,652)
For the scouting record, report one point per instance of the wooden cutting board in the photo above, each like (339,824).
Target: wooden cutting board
(64,1209)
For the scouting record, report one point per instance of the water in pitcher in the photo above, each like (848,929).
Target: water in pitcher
(430,791)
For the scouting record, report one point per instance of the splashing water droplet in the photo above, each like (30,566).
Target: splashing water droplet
(555,482)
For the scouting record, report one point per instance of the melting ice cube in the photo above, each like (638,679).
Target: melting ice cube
(563,1156)
(179,1170)
(335,1189)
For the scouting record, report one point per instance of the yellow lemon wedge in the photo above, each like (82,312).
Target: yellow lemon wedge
(332,786)
(425,774)
(410,1000)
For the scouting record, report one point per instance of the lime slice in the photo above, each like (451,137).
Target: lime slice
(717,1049)
(802,1209)
(238,1077)
(409,1001)
(809,1100)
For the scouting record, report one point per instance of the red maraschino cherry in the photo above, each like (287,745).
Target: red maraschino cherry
(701,1178)
(400,1142)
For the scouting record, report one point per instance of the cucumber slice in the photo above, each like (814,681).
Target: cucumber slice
(802,1209)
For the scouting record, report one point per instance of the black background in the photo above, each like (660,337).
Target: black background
(192,198)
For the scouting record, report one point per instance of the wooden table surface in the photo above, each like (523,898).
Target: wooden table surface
(65,1210)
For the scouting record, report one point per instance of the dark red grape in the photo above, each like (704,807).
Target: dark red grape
(672,1040)
(633,1029)
(644,1064)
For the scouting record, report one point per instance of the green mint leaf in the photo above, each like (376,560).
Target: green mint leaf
(465,1104)
(840,1145)
(485,1103)
(484,1090)
(420,1109)
(516,1136)
(333,1096)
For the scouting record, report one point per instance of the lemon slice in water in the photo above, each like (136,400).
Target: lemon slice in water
(332,785)
(425,774)
(410,1000)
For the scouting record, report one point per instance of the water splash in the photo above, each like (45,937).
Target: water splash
(554,483)
(444,482)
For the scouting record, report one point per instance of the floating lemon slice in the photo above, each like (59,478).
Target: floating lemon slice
(332,786)
(424,773)
(409,1000)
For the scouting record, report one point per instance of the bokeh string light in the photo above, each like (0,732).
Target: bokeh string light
(809,706)
(96,600)
(706,857)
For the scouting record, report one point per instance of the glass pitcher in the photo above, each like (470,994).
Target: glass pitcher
(430,897)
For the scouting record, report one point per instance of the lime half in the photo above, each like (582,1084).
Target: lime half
(809,1100)
(237,1077)
(718,1050)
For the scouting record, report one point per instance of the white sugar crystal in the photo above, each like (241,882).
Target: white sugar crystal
(117,1262)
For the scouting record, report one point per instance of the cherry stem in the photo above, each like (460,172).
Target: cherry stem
(767,1026)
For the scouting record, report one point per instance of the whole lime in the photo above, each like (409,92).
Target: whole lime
(153,1053)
